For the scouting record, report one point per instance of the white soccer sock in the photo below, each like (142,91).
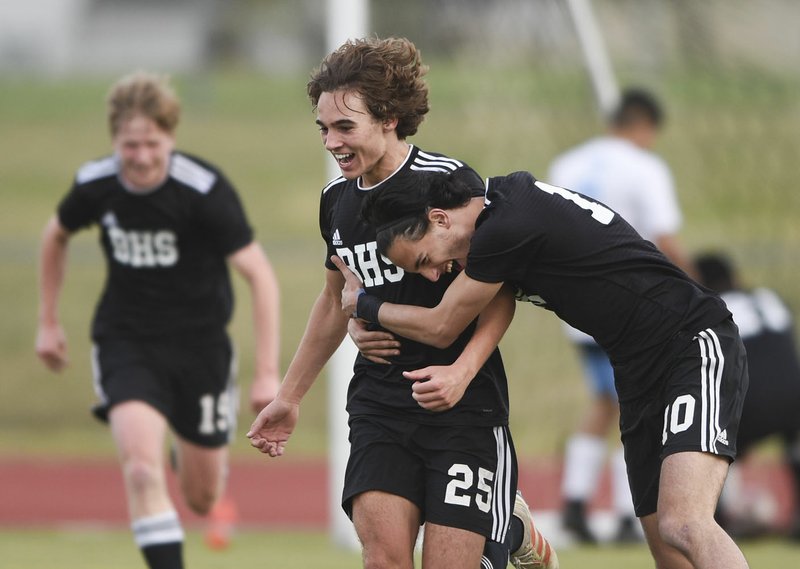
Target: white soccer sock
(583,462)
(732,490)
(157,529)
(620,488)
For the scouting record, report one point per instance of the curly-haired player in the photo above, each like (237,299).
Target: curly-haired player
(437,452)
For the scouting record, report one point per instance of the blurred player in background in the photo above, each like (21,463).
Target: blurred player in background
(772,405)
(437,452)
(170,224)
(620,170)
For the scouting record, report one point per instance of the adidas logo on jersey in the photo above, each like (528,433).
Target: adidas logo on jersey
(336,240)
(723,437)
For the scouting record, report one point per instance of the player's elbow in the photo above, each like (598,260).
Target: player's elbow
(442,336)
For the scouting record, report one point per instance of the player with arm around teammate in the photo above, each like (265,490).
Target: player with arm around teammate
(678,359)
(170,223)
(621,170)
(438,453)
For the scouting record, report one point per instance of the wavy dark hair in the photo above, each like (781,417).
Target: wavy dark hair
(387,73)
(401,209)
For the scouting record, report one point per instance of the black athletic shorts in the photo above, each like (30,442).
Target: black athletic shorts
(696,408)
(192,385)
(463,477)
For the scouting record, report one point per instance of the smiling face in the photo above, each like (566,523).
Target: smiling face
(144,152)
(441,250)
(361,145)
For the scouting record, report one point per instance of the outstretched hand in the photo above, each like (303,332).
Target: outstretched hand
(437,388)
(352,286)
(273,426)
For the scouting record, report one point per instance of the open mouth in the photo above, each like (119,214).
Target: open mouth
(452,266)
(344,159)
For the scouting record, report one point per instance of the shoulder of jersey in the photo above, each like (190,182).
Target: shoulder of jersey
(422,161)
(184,169)
(432,162)
(339,180)
(97,170)
(192,173)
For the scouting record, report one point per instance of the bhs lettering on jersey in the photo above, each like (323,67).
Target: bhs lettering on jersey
(144,248)
(373,269)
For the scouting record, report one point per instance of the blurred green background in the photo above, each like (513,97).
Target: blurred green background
(509,91)
(731,140)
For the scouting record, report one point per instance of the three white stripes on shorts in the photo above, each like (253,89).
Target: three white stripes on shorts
(502,504)
(713,363)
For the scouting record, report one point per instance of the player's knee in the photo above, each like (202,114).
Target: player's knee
(380,553)
(201,500)
(142,477)
(382,558)
(678,531)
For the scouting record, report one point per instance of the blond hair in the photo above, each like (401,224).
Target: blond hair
(143,94)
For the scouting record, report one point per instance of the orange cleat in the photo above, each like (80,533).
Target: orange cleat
(222,519)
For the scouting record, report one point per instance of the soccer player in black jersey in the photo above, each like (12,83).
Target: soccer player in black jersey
(771,407)
(170,224)
(440,452)
(679,363)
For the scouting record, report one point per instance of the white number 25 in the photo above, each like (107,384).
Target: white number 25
(460,487)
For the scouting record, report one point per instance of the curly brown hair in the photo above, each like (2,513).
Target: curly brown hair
(143,93)
(387,73)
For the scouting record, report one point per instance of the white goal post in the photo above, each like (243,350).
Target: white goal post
(346,19)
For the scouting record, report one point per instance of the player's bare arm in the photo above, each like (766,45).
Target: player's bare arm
(439,326)
(326,327)
(51,343)
(251,262)
(438,388)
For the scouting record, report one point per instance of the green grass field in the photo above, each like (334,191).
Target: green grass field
(100,549)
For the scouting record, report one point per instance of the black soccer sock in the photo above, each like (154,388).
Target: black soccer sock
(164,555)
(515,535)
(160,537)
(495,555)
(792,453)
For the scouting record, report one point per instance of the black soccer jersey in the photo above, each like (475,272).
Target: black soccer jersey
(773,394)
(381,389)
(165,249)
(580,259)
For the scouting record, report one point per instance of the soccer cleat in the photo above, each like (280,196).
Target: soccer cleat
(535,551)
(627,531)
(574,520)
(222,518)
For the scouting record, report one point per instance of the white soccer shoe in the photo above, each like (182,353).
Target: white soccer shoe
(535,551)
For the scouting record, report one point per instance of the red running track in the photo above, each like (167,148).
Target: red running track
(281,493)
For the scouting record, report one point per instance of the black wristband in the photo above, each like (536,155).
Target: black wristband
(367,308)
